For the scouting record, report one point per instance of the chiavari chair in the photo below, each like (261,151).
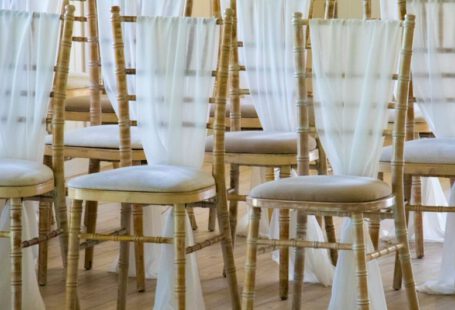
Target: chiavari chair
(343,194)
(188,186)
(24,177)
(427,157)
(264,149)
(100,141)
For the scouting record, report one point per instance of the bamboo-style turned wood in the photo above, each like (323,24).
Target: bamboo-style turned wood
(179,250)
(330,9)
(284,252)
(356,212)
(16,252)
(250,262)
(58,121)
(366,9)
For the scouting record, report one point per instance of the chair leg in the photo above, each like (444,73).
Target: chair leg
(363,301)
(44,228)
(418,217)
(299,261)
(397,274)
(284,251)
(180,253)
(192,217)
(405,257)
(373,228)
(284,255)
(139,248)
(73,256)
(212,219)
(123,262)
(91,212)
(16,252)
(269,176)
(60,210)
(233,204)
(250,264)
(226,245)
(331,237)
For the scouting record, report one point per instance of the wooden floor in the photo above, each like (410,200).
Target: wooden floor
(98,287)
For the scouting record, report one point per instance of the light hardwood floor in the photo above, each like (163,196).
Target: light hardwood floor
(98,287)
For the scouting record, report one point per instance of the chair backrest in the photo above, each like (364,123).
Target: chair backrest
(28,57)
(173,88)
(433,66)
(130,8)
(352,77)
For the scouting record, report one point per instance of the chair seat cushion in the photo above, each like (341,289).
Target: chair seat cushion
(247,110)
(432,151)
(260,142)
(151,178)
(82,104)
(103,136)
(78,80)
(418,116)
(17,172)
(321,188)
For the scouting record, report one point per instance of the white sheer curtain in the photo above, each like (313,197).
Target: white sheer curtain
(175,59)
(353,62)
(27,59)
(47,6)
(128,7)
(432,193)
(435,26)
(265,27)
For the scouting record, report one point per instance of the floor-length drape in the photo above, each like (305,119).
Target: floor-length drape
(352,88)
(27,58)
(175,59)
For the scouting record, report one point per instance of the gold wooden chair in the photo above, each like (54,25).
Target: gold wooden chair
(265,149)
(198,186)
(100,142)
(356,197)
(24,179)
(429,157)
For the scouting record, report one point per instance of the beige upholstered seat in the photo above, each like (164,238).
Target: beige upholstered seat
(17,172)
(82,104)
(260,142)
(434,151)
(322,188)
(152,178)
(78,80)
(247,110)
(104,136)
(418,116)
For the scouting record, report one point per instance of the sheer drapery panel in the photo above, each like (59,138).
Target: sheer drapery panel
(352,89)
(27,59)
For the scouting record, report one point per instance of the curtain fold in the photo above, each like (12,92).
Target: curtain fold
(352,87)
(27,60)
